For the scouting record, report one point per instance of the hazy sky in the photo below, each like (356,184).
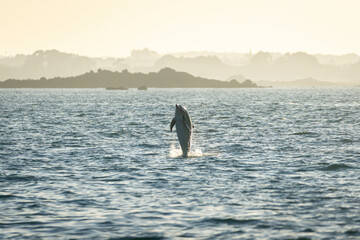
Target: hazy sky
(114,27)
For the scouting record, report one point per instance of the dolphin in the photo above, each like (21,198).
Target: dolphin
(184,128)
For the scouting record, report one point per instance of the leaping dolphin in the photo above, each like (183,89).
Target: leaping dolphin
(184,128)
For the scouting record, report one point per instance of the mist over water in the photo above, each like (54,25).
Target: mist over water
(265,163)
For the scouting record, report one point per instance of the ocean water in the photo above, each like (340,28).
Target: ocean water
(96,164)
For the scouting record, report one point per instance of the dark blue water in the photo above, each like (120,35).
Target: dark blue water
(266,164)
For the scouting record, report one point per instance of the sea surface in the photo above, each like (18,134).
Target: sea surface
(97,164)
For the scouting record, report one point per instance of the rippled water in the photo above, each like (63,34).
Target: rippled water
(267,164)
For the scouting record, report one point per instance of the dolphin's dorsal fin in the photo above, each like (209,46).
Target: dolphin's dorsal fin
(172,124)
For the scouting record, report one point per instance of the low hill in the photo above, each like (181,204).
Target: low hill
(165,78)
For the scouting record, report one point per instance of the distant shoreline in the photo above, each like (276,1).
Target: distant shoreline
(165,78)
(166,88)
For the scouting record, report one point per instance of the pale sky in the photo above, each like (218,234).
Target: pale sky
(115,27)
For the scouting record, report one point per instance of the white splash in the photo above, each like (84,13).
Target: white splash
(174,152)
(196,153)
(177,152)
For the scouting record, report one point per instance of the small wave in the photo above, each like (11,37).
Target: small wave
(142,237)
(250,169)
(114,134)
(346,140)
(352,232)
(230,221)
(81,202)
(7,196)
(212,130)
(30,223)
(147,145)
(303,133)
(336,167)
(20,178)
(237,147)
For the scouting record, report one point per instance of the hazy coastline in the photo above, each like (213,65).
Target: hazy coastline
(297,69)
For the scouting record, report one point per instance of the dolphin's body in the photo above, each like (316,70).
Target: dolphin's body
(184,128)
